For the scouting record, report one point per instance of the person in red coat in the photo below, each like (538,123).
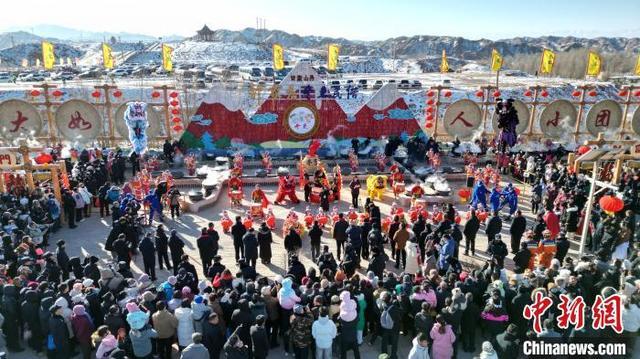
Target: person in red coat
(553,223)
(258,196)
(287,188)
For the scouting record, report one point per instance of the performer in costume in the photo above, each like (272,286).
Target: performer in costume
(507,123)
(479,195)
(135,117)
(153,200)
(226,222)
(235,189)
(494,199)
(286,188)
(258,196)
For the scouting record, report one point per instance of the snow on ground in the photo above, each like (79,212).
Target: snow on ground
(218,52)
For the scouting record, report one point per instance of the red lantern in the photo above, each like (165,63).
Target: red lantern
(593,93)
(430,102)
(175,111)
(623,93)
(464,193)
(496,93)
(431,93)
(34,93)
(117,93)
(177,128)
(479,93)
(576,93)
(155,94)
(95,94)
(583,149)
(528,93)
(611,204)
(429,109)
(544,93)
(173,94)
(637,93)
(176,119)
(57,93)
(447,94)
(429,125)
(429,117)
(174,103)
(517,190)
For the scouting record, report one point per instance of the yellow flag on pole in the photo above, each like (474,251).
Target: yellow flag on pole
(107,56)
(547,61)
(48,58)
(332,57)
(444,64)
(496,60)
(167,61)
(637,69)
(594,64)
(278,57)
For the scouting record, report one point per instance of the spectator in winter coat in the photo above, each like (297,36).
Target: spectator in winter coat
(470,230)
(420,348)
(301,323)
(59,332)
(250,244)
(184,314)
(165,325)
(470,318)
(446,251)
(259,338)
(237,232)
(507,344)
(443,339)
(195,350)
(213,335)
(265,239)
(552,222)
(176,246)
(148,251)
(518,226)
(234,348)
(494,226)
(323,331)
(83,327)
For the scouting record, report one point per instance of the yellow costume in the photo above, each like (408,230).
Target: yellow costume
(376,184)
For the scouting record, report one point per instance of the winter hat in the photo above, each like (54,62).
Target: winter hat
(340,276)
(487,351)
(186,291)
(265,291)
(144,279)
(148,296)
(138,319)
(109,342)
(172,280)
(278,279)
(202,285)
(347,307)
(132,307)
(198,299)
(298,309)
(79,310)
(78,298)
(87,283)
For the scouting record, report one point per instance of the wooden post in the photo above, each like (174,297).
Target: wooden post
(2,186)
(108,104)
(534,104)
(47,103)
(625,112)
(571,161)
(55,180)
(583,91)
(165,105)
(436,113)
(587,213)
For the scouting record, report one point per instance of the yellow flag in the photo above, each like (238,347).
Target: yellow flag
(25,63)
(167,62)
(496,60)
(332,58)
(278,57)
(107,56)
(547,61)
(48,58)
(637,69)
(444,64)
(594,65)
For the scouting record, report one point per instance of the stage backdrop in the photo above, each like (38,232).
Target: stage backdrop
(298,109)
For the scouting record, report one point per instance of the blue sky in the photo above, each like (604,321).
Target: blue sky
(353,19)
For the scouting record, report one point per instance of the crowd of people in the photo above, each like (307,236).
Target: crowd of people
(63,306)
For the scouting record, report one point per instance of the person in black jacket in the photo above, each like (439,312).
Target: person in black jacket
(354,185)
(214,237)
(340,233)
(60,334)
(326,260)
(470,230)
(205,248)
(30,315)
(104,201)
(162,247)
(378,262)
(12,320)
(296,269)
(390,336)
(121,249)
(315,239)
(148,251)
(265,238)
(292,242)
(562,246)
(521,259)
(494,226)
(63,259)
(213,335)
(498,250)
(237,232)
(469,322)
(250,244)
(365,228)
(69,206)
(518,226)
(518,303)
(507,344)
(259,338)
(241,321)
(176,246)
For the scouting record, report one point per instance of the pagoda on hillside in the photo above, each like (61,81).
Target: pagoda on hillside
(204,34)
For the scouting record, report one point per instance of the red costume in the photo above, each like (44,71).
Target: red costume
(287,188)
(258,196)
(235,190)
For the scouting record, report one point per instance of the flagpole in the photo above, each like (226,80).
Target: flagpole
(497,80)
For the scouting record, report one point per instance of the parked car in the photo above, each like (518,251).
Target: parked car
(404,84)
(5,77)
(119,73)
(362,83)
(416,84)
(91,74)
(377,85)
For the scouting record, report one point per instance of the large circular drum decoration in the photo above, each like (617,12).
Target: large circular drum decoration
(604,116)
(462,118)
(153,117)
(78,120)
(18,119)
(301,120)
(523,117)
(558,119)
(635,121)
